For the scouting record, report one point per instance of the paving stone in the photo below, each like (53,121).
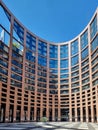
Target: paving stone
(49,126)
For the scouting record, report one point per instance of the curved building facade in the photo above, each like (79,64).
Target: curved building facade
(43,79)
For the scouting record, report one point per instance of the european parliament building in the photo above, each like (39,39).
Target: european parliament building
(38,78)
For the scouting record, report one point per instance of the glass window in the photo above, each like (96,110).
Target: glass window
(30,56)
(53,81)
(95,82)
(16,70)
(84,39)
(85,81)
(53,64)
(53,91)
(94,54)
(3,78)
(17,84)
(85,63)
(15,76)
(42,48)
(5,18)
(64,76)
(42,61)
(4,36)
(74,47)
(64,51)
(16,63)
(84,54)
(93,27)
(74,60)
(53,86)
(3,63)
(75,73)
(64,71)
(85,74)
(75,79)
(3,71)
(95,75)
(95,68)
(74,68)
(17,47)
(95,61)
(75,84)
(94,44)
(64,91)
(53,51)
(17,56)
(18,32)
(75,90)
(64,64)
(54,71)
(85,68)
(64,81)
(85,87)
(31,42)
(64,86)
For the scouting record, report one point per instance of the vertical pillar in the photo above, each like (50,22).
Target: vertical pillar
(81,107)
(75,108)
(70,103)
(87,120)
(41,106)
(59,109)
(97,85)
(29,106)
(90,74)
(0,101)
(15,104)
(9,72)
(47,107)
(36,69)
(0,94)
(53,107)
(23,78)
(97,103)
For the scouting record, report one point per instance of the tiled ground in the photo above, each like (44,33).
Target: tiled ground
(49,126)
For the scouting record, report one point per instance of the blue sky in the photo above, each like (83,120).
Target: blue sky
(53,20)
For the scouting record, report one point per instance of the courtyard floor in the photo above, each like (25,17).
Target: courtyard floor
(49,126)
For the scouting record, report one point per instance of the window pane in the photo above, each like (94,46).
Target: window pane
(31,42)
(42,48)
(74,47)
(5,18)
(53,51)
(74,60)
(84,39)
(42,61)
(64,64)
(84,54)
(93,27)
(94,44)
(18,32)
(64,51)
(53,64)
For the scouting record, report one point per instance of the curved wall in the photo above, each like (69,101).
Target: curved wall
(39,78)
